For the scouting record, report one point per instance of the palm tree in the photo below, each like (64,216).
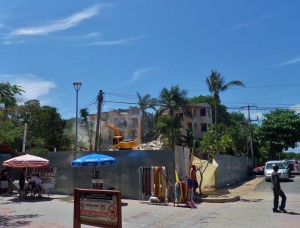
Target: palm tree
(145,102)
(217,84)
(84,113)
(172,100)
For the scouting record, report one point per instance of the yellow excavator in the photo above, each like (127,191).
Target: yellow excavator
(118,141)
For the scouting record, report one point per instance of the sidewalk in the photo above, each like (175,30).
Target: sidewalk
(230,193)
(57,210)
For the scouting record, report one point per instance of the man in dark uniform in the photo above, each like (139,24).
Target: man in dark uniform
(277,191)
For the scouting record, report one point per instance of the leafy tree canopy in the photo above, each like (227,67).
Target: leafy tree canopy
(212,145)
(45,126)
(169,129)
(279,130)
(8,94)
(172,100)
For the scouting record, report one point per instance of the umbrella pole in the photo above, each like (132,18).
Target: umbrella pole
(94,171)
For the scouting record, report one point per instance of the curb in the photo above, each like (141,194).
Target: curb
(221,199)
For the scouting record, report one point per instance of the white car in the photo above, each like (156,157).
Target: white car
(283,170)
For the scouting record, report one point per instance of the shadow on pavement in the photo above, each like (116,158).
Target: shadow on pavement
(297,173)
(251,201)
(124,204)
(289,180)
(30,200)
(14,221)
(293,213)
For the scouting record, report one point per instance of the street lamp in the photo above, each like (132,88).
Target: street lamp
(77,86)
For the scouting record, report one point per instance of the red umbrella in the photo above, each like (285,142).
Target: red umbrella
(26,161)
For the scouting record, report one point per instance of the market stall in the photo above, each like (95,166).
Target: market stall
(94,160)
(25,162)
(153,184)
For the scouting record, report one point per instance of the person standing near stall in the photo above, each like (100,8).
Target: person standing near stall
(194,178)
(22,179)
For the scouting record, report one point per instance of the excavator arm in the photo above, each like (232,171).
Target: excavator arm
(118,141)
(116,130)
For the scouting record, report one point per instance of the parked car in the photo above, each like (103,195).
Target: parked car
(259,170)
(290,165)
(283,171)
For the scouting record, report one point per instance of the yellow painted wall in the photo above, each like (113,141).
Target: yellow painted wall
(209,174)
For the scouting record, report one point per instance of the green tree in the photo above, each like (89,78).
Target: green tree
(146,102)
(216,84)
(231,123)
(172,100)
(280,129)
(169,129)
(45,127)
(210,146)
(149,123)
(237,128)
(10,129)
(84,113)
(8,94)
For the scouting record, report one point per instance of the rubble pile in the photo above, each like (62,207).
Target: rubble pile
(153,145)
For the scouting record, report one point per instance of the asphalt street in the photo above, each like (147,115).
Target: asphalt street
(253,210)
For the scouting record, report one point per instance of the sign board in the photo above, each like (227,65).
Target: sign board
(97,184)
(101,208)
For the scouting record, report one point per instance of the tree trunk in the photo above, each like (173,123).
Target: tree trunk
(202,170)
(216,117)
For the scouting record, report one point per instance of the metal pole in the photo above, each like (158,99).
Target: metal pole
(76,131)
(251,141)
(24,137)
(251,138)
(77,86)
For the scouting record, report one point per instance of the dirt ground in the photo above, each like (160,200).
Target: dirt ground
(237,189)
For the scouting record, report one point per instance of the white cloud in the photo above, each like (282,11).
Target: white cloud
(296,108)
(115,42)
(255,21)
(291,61)
(90,35)
(60,25)
(136,75)
(34,86)
(140,73)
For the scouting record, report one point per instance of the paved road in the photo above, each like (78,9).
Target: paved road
(253,210)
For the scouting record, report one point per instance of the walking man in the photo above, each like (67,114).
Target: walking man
(277,191)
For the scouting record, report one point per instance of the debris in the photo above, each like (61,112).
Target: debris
(153,145)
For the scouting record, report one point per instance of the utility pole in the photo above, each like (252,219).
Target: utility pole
(251,136)
(24,137)
(99,105)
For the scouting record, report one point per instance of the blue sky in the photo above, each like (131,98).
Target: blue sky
(124,47)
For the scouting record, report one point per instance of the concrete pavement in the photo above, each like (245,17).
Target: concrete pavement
(252,210)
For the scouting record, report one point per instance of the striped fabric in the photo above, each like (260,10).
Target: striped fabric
(27,160)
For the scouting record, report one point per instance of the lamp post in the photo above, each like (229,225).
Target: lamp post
(77,86)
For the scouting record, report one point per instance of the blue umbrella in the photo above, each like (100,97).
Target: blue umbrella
(93,160)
